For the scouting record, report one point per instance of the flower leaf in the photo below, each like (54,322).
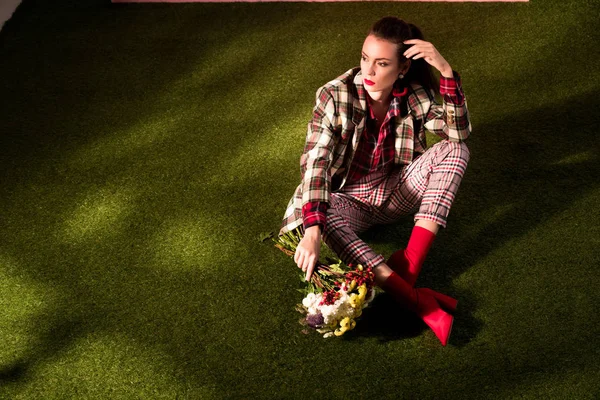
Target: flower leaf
(264,236)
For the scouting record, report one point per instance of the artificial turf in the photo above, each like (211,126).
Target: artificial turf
(146,148)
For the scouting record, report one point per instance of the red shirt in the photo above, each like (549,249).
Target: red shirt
(376,147)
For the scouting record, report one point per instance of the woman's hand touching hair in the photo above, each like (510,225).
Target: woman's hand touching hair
(428,52)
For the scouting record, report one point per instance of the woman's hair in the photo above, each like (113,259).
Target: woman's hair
(396,31)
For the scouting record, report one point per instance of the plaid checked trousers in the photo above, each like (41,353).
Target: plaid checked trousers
(426,187)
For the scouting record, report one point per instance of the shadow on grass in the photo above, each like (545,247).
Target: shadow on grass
(49,345)
(81,96)
(384,320)
(516,164)
(96,86)
(387,322)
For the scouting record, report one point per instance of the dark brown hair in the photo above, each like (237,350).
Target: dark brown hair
(396,31)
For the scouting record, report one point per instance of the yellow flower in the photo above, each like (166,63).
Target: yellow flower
(352,286)
(348,323)
(360,267)
(356,301)
(362,292)
(340,331)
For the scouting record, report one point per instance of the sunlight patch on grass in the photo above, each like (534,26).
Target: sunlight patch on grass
(276,150)
(528,43)
(577,158)
(534,287)
(191,243)
(110,367)
(118,145)
(21,300)
(99,214)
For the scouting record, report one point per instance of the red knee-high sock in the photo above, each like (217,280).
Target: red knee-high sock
(408,262)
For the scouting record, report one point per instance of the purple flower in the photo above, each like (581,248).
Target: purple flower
(315,320)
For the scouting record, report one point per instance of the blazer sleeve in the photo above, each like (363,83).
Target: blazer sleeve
(318,150)
(450,120)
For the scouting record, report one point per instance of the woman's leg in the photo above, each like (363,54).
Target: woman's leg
(340,236)
(345,219)
(431,182)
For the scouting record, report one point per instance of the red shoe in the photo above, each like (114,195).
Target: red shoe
(432,314)
(423,302)
(447,302)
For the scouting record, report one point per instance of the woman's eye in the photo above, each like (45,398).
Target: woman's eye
(363,58)
(383,64)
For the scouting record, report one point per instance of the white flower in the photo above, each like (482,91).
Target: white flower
(310,300)
(338,310)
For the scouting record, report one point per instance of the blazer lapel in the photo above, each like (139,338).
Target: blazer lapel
(359,108)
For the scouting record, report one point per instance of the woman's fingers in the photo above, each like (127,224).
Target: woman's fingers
(310,268)
(418,46)
(307,253)
(299,257)
(428,52)
(420,55)
(418,50)
(305,262)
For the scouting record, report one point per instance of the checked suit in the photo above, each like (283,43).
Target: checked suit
(419,181)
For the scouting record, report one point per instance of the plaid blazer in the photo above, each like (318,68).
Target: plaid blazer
(338,123)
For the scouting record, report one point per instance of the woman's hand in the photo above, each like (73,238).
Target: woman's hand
(307,252)
(427,51)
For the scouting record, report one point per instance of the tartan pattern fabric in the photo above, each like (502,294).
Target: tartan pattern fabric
(451,89)
(428,186)
(376,149)
(314,213)
(338,123)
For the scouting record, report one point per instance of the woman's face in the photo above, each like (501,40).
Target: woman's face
(379,65)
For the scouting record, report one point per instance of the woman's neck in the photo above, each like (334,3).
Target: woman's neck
(381,100)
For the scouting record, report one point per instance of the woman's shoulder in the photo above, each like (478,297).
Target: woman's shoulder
(419,99)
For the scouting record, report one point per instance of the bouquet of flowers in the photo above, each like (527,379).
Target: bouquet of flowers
(336,293)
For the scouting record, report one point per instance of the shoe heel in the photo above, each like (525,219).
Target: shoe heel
(448,303)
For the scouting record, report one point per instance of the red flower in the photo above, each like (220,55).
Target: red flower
(329,297)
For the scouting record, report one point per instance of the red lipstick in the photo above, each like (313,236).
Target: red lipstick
(368,82)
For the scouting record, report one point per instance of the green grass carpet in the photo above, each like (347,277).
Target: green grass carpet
(145,148)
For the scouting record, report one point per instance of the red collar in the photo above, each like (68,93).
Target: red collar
(399,91)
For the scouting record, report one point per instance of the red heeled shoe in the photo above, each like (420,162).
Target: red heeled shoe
(447,302)
(424,303)
(432,314)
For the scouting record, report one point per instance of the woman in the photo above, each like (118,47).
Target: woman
(366,162)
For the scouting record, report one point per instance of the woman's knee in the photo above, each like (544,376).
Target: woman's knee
(458,149)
